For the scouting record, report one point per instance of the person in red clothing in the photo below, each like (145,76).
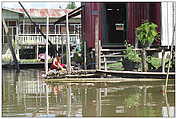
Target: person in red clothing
(56,64)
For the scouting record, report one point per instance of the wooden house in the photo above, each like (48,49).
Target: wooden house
(27,37)
(107,25)
(117,21)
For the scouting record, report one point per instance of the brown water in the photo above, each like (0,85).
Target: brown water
(25,94)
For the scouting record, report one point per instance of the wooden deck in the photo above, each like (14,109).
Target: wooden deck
(121,76)
(100,80)
(134,74)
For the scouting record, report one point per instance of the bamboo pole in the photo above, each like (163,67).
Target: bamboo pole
(68,46)
(46,53)
(172,44)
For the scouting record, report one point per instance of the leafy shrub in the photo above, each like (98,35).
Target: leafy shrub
(131,54)
(147,33)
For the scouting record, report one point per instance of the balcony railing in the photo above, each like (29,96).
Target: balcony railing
(34,39)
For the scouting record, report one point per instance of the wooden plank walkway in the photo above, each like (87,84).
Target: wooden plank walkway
(138,74)
(100,80)
(134,72)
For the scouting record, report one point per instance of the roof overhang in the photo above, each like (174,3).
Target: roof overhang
(71,14)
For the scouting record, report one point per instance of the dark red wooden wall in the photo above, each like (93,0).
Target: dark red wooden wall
(137,13)
(89,14)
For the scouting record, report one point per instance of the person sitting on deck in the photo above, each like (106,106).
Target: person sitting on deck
(56,64)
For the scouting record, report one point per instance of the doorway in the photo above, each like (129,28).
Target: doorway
(114,24)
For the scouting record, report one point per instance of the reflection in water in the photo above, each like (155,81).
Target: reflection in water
(25,94)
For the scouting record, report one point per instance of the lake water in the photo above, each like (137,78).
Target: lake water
(25,94)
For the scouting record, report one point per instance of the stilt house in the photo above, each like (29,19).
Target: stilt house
(106,26)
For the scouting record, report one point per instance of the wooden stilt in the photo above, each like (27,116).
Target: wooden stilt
(85,55)
(144,63)
(46,53)
(68,46)
(62,48)
(37,48)
(105,64)
(97,43)
(163,60)
(17,43)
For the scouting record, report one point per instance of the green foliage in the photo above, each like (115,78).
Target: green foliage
(156,62)
(147,33)
(131,54)
(116,66)
(71,5)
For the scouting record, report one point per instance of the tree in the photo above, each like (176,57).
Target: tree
(71,5)
(146,34)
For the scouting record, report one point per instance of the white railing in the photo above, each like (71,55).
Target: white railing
(34,39)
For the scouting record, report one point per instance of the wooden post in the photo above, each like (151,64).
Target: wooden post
(105,63)
(61,38)
(85,55)
(68,46)
(46,53)
(57,41)
(163,60)
(99,54)
(136,40)
(37,47)
(17,41)
(23,26)
(144,63)
(97,43)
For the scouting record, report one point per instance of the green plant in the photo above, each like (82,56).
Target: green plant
(116,66)
(146,33)
(155,62)
(131,54)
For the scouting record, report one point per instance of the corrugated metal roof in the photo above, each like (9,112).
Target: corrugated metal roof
(44,12)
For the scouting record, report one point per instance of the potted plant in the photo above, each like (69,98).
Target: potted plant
(131,60)
(146,34)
